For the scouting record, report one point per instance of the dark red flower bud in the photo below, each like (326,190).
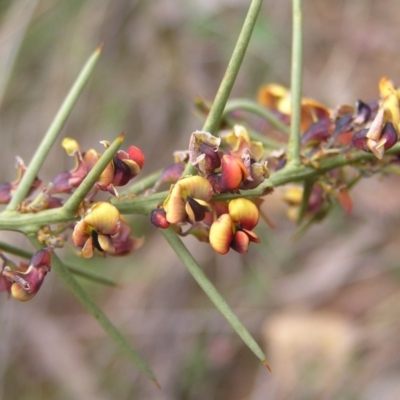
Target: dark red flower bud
(158,218)
(122,172)
(135,154)
(127,165)
(359,140)
(390,135)
(318,132)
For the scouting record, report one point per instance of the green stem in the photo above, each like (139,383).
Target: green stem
(16,251)
(213,119)
(257,109)
(92,177)
(296,85)
(190,263)
(142,184)
(26,223)
(96,312)
(142,205)
(52,133)
(307,190)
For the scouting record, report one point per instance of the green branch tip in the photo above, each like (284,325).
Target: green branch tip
(53,132)
(213,119)
(209,289)
(265,362)
(296,85)
(257,109)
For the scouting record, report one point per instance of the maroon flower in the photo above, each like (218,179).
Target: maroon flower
(26,282)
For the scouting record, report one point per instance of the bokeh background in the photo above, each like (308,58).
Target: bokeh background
(325,306)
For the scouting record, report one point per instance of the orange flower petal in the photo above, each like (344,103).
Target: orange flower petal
(136,155)
(252,236)
(233,173)
(221,234)
(81,233)
(174,206)
(104,218)
(270,95)
(244,212)
(88,248)
(240,242)
(193,186)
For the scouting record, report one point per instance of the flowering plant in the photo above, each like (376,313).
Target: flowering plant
(217,185)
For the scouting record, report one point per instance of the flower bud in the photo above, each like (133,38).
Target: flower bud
(158,218)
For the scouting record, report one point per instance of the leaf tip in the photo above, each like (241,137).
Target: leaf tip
(265,362)
(99,48)
(121,137)
(155,381)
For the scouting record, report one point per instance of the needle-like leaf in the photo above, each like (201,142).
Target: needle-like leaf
(190,263)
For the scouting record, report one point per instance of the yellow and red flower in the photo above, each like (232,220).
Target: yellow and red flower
(234,229)
(187,200)
(102,228)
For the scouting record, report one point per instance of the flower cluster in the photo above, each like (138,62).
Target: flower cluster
(212,205)
(100,228)
(230,162)
(372,126)
(225,164)
(125,166)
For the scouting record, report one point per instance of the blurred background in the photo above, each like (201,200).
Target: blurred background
(325,307)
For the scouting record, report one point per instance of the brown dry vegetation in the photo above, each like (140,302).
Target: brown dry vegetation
(325,306)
